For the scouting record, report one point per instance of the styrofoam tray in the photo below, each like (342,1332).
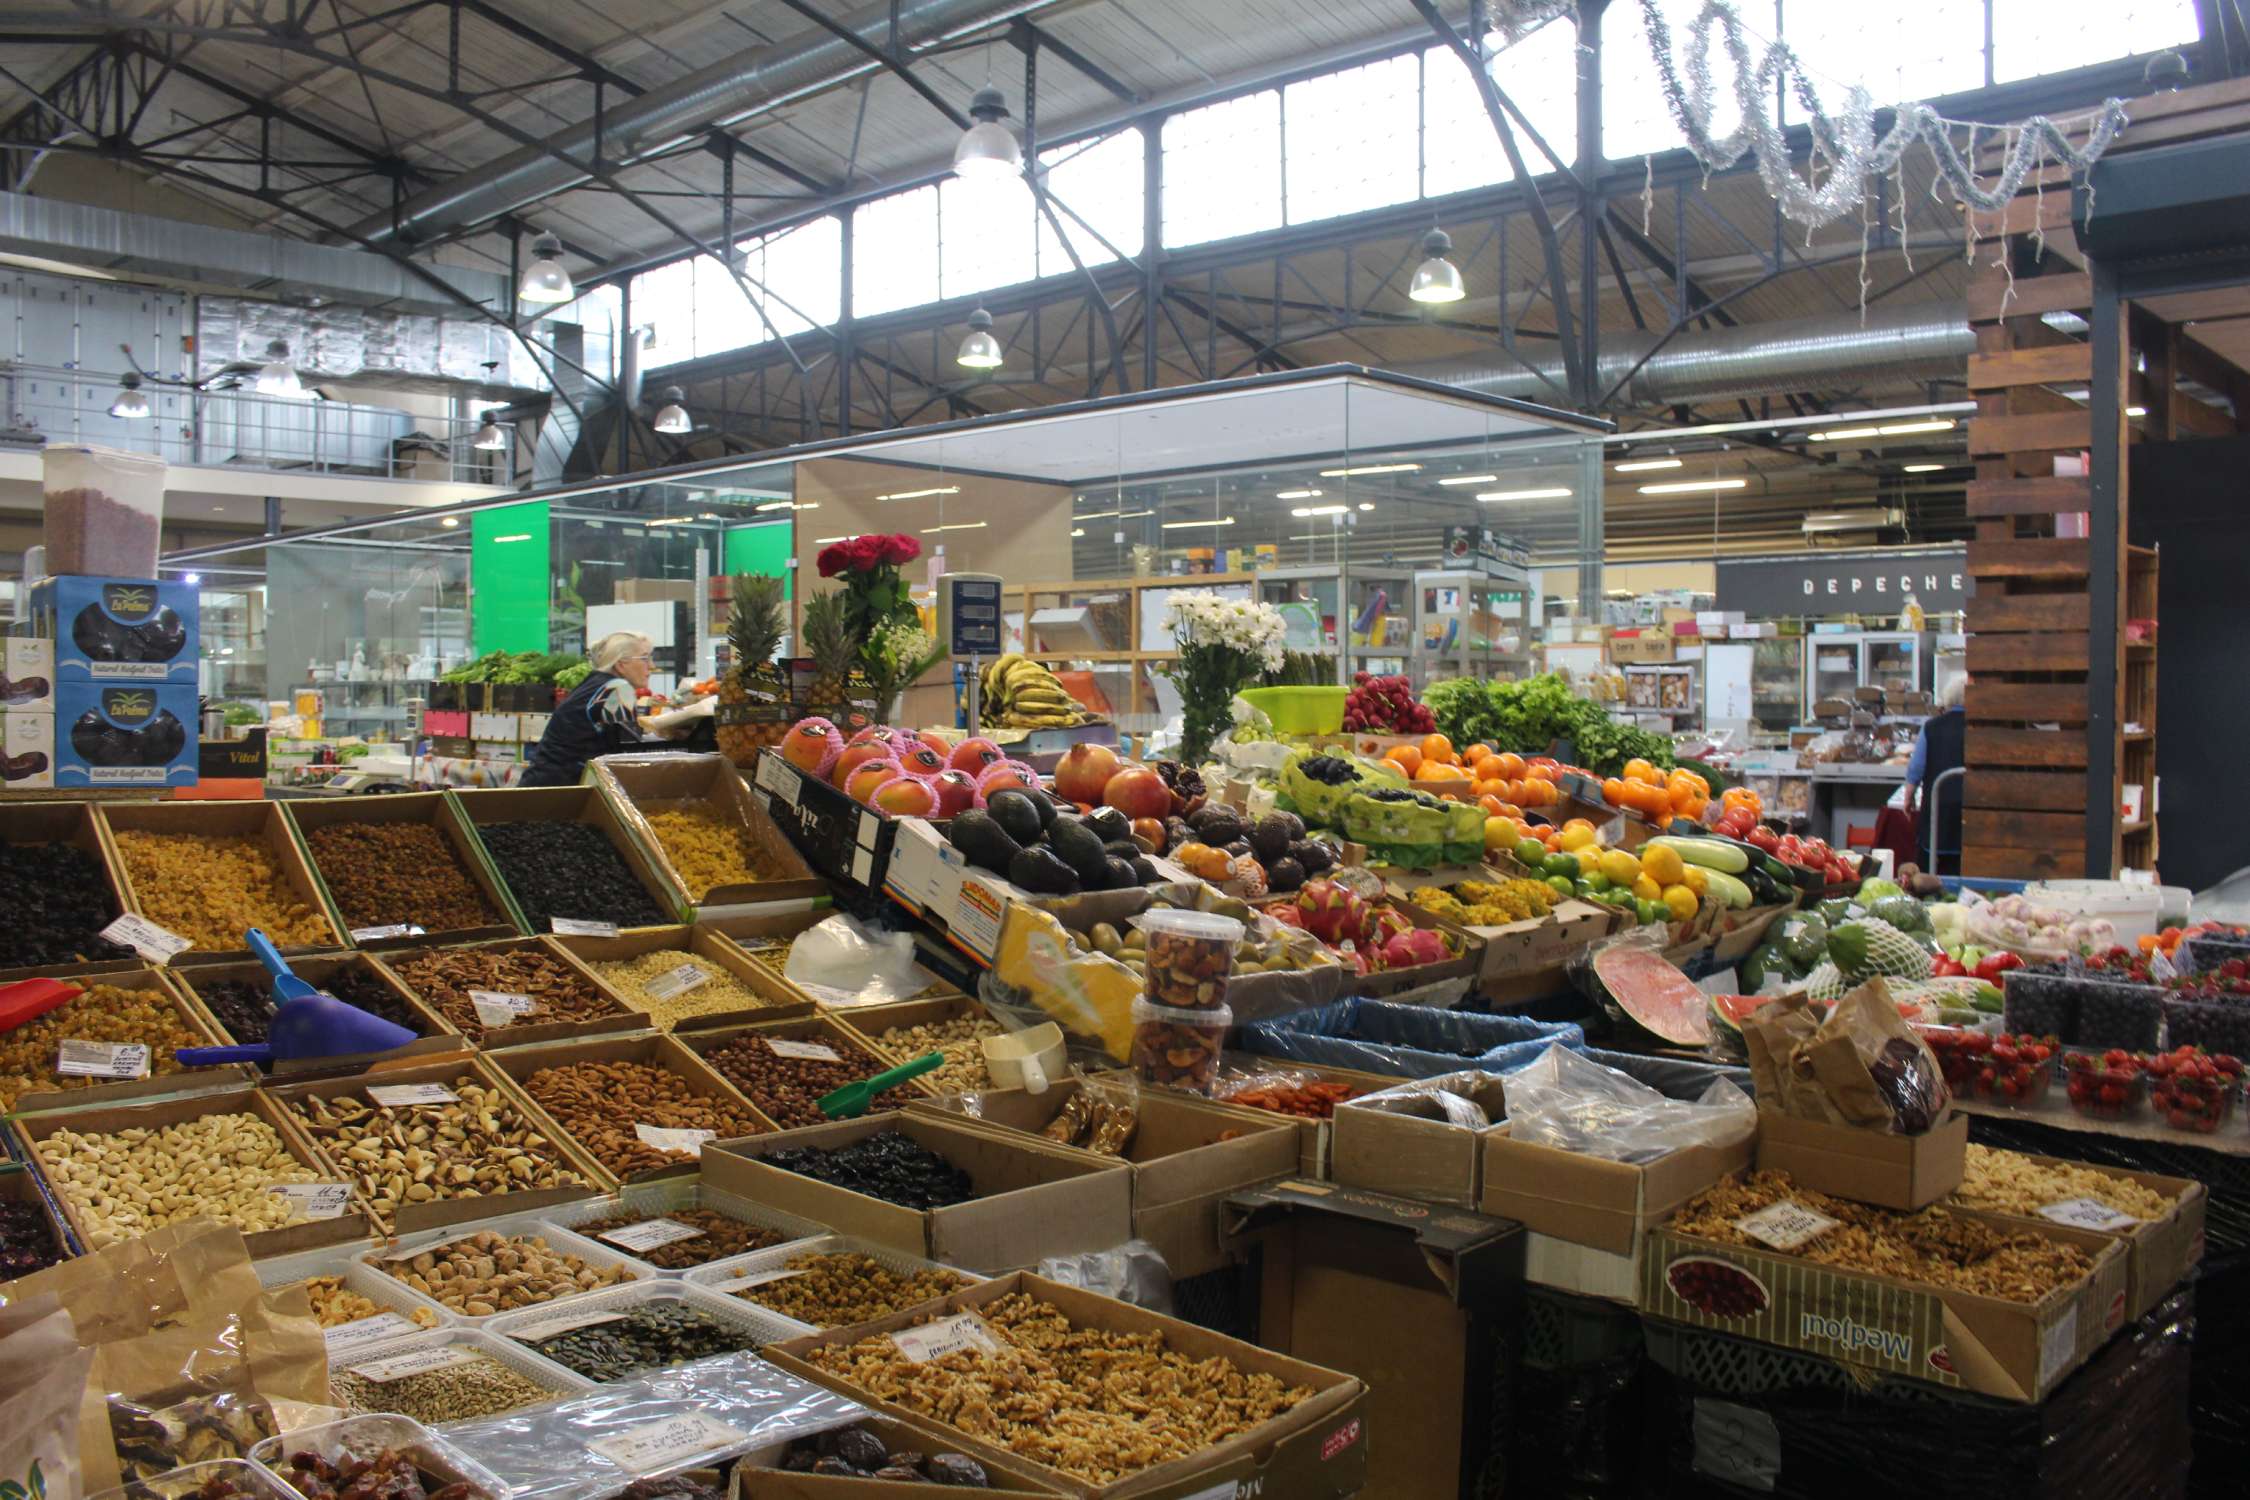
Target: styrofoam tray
(717,1277)
(532,1223)
(366,1436)
(344,1261)
(654,1199)
(564,1383)
(754,1322)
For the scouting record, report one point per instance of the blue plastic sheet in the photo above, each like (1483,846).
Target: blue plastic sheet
(1406,1041)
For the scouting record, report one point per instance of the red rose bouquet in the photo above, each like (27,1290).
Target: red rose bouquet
(875,596)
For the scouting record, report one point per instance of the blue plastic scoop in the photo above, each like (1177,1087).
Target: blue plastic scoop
(306,1022)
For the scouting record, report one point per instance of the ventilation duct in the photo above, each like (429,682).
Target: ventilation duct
(1893,344)
(730,90)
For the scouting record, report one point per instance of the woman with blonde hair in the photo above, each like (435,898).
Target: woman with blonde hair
(600,715)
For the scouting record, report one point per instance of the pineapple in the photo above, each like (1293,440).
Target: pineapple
(827,639)
(755,622)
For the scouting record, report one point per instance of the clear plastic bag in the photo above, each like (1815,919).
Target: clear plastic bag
(1469,1099)
(1568,1102)
(844,962)
(1134,1272)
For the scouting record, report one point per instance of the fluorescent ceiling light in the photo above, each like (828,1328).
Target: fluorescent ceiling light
(1320,510)
(1842,434)
(1543,494)
(956,526)
(449,522)
(1641,465)
(1850,520)
(514,536)
(949,489)
(1922,468)
(789,505)
(1370,469)
(2136,411)
(1470,479)
(1689,486)
(1933,424)
(822,541)
(1112,515)
(1296,494)
(1184,525)
(1366,505)
(1077,531)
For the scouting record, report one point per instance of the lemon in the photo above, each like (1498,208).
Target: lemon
(1681,902)
(1692,877)
(1621,868)
(1578,838)
(1664,865)
(1645,887)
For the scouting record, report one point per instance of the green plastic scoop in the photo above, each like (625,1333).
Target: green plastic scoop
(853,1098)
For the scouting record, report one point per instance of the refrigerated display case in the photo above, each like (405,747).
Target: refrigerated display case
(1777,682)
(1838,661)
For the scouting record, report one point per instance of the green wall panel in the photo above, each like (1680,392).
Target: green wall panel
(508,576)
(763,549)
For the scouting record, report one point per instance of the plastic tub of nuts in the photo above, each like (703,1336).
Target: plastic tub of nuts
(1190,957)
(516,1263)
(356,1306)
(632,1330)
(680,1225)
(1179,1049)
(402,1450)
(831,1282)
(450,1375)
(213,1479)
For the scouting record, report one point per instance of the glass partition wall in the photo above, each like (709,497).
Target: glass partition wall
(1400,528)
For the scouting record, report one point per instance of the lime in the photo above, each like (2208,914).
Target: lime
(1531,853)
(1561,885)
(1583,888)
(1597,880)
(1650,911)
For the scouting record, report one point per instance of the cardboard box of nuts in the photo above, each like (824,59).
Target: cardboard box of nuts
(1315,1450)
(323,971)
(354,1154)
(817,1040)
(710,951)
(50,1094)
(262,821)
(636,783)
(886,1028)
(446,981)
(2160,1251)
(39,1132)
(434,810)
(607,1135)
(71,823)
(759,1475)
(567,804)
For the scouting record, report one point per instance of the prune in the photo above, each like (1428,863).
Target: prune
(243,1007)
(861,1449)
(887,1165)
(558,869)
(959,1470)
(27,1241)
(57,902)
(858,1452)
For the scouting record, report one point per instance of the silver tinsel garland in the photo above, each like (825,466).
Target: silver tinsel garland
(1846,153)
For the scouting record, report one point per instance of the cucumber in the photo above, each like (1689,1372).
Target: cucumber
(1712,854)
(1727,888)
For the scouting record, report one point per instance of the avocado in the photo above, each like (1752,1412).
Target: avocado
(1119,874)
(1016,814)
(1122,849)
(1144,872)
(1312,854)
(1046,805)
(1111,824)
(1177,832)
(1041,872)
(1238,848)
(1078,846)
(1272,835)
(1284,874)
(1217,827)
(980,836)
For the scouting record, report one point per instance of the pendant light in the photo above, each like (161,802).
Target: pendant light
(130,403)
(277,376)
(545,280)
(672,417)
(1436,279)
(980,350)
(988,149)
(490,438)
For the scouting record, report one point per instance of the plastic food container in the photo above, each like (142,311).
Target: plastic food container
(1190,957)
(653,1200)
(558,1382)
(754,1326)
(1300,710)
(104,509)
(2131,909)
(725,1280)
(439,1461)
(1179,1049)
(531,1224)
(2039,1004)
(2198,1104)
(2205,953)
(2104,1093)
(250,1480)
(2006,1069)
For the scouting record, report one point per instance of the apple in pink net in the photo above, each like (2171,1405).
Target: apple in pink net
(973,755)
(904,797)
(869,775)
(855,755)
(956,792)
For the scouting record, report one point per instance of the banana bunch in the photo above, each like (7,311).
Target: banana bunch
(1019,693)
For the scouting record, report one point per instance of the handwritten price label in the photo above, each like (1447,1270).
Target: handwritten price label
(115,1060)
(1786,1225)
(154,943)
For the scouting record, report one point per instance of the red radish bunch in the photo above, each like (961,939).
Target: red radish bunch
(1385,705)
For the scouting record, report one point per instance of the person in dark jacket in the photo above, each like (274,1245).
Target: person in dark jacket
(599,716)
(1939,749)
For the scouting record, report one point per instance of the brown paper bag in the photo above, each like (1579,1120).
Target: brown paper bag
(1772,1034)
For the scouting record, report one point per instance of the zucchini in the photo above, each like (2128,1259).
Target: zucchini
(1712,854)
(1726,888)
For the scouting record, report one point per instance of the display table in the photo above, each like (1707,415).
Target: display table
(1849,795)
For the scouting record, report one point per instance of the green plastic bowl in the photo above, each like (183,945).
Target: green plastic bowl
(1300,710)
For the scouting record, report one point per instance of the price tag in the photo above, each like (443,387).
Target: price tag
(1786,1225)
(418,1362)
(547,1328)
(501,1007)
(574,927)
(673,983)
(2086,1213)
(1612,833)
(377,934)
(685,1142)
(144,937)
(403,1095)
(945,1336)
(660,1445)
(378,1329)
(649,1234)
(744,1284)
(777,776)
(804,1051)
(315,1200)
(79,1059)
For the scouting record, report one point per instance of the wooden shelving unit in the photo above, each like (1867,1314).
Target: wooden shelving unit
(1121,620)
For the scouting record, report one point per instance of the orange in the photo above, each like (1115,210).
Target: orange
(1613,792)
(1585,823)
(1511,766)
(1487,801)
(1475,753)
(1436,747)
(1437,770)
(1407,758)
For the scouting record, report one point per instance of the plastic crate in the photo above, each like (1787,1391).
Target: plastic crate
(560,1383)
(1561,1331)
(344,1262)
(439,1461)
(531,1224)
(1405,1041)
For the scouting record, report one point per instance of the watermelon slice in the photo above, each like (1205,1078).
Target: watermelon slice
(1725,1014)
(1652,992)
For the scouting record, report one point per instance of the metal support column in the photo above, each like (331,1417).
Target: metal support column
(1152,244)
(2104,567)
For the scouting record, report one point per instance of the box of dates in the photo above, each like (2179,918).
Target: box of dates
(1949,1297)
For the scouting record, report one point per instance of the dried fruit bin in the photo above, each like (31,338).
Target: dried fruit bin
(433,809)
(707,946)
(653,1200)
(750,1327)
(21,1185)
(559,1383)
(813,1030)
(564,804)
(403,967)
(261,821)
(438,1461)
(634,783)
(657,1051)
(379,1262)
(74,824)
(251,1482)
(49,1091)
(436,1034)
(722,1279)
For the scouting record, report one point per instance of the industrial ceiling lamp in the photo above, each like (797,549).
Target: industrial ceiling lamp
(277,376)
(980,350)
(988,149)
(130,403)
(672,417)
(545,280)
(490,438)
(1436,279)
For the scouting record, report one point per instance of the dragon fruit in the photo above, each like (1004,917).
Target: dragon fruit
(1415,946)
(1385,923)
(1332,912)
